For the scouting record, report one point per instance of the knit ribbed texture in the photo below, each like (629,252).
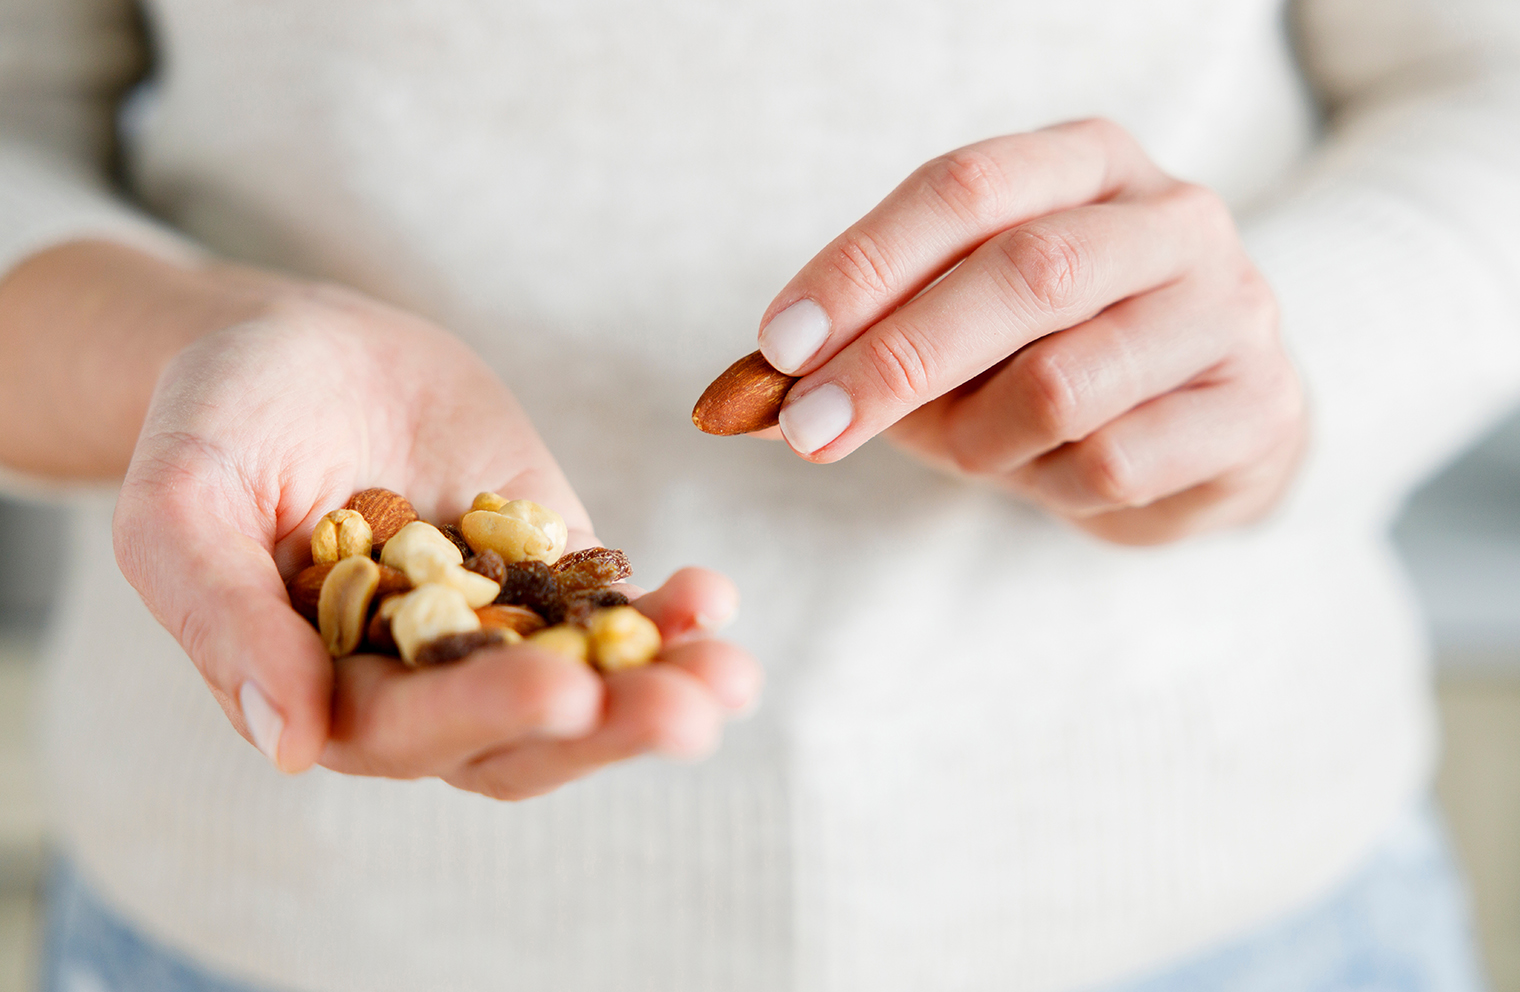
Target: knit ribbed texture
(994,755)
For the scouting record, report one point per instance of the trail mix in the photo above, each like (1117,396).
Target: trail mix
(385,581)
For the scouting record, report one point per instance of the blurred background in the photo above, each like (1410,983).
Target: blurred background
(1460,536)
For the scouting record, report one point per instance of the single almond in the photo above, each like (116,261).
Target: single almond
(306,589)
(518,619)
(386,511)
(392,581)
(744,399)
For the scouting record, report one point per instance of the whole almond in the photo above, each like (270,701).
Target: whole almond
(386,511)
(744,399)
(518,619)
(306,589)
(392,581)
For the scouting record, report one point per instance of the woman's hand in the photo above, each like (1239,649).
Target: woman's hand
(255,431)
(1097,340)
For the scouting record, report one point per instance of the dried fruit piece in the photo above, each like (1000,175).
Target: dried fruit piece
(516,530)
(591,569)
(387,512)
(453,533)
(452,647)
(580,607)
(378,634)
(489,564)
(518,619)
(341,534)
(306,588)
(344,604)
(562,640)
(621,637)
(427,613)
(531,584)
(746,397)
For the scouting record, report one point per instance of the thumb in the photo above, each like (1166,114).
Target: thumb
(216,589)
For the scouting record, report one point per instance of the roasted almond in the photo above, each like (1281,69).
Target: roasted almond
(744,399)
(306,589)
(386,511)
(518,619)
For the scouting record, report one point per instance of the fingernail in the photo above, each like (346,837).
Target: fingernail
(794,335)
(814,420)
(712,624)
(264,721)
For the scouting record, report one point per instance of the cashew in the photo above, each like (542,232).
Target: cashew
(427,613)
(426,555)
(516,530)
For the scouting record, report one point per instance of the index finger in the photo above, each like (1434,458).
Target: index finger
(935,218)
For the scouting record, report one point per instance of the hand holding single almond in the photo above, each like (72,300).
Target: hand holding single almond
(1052,313)
(256,438)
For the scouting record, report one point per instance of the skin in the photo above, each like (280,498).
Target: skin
(1098,341)
(1049,312)
(241,406)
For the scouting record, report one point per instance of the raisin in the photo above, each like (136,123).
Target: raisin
(592,568)
(489,564)
(531,583)
(452,647)
(378,636)
(580,606)
(453,533)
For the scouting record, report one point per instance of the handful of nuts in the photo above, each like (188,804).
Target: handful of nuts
(385,580)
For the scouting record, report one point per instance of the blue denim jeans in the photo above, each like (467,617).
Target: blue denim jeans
(1399,925)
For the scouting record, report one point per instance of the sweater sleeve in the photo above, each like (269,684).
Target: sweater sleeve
(1396,257)
(64,66)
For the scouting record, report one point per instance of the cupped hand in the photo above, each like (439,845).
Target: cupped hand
(1052,312)
(254,432)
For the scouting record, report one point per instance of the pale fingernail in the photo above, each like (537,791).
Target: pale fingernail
(794,335)
(264,721)
(812,421)
(720,616)
(712,624)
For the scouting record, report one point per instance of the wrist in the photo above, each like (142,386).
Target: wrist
(91,326)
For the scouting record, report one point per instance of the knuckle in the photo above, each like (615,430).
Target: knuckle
(1052,268)
(1114,140)
(1286,403)
(1104,469)
(1104,130)
(970,183)
(1201,204)
(864,262)
(1254,295)
(976,451)
(1054,398)
(196,633)
(495,783)
(902,363)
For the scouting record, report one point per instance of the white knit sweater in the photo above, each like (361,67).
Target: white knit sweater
(994,755)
